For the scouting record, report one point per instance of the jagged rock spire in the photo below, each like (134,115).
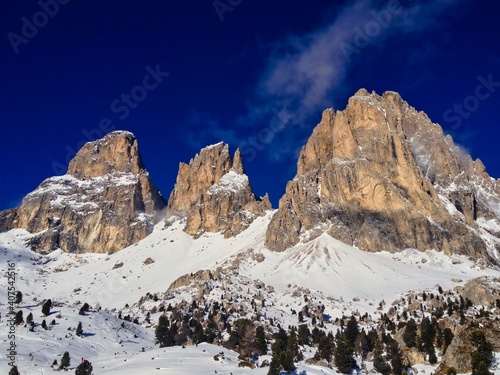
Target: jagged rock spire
(214,194)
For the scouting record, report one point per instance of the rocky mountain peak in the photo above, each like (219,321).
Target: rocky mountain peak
(204,170)
(213,193)
(118,151)
(238,162)
(381,176)
(104,203)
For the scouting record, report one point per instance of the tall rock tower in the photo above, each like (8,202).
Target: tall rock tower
(104,203)
(214,195)
(380,175)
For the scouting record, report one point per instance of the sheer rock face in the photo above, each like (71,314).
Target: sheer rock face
(381,176)
(104,203)
(214,195)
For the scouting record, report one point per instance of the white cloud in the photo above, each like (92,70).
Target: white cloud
(304,71)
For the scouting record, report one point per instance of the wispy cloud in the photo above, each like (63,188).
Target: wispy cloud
(304,72)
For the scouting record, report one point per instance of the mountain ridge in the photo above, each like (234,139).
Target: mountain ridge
(378,175)
(209,279)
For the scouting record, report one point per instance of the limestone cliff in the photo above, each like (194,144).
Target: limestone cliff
(214,195)
(104,203)
(380,175)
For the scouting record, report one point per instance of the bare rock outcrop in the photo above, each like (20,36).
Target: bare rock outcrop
(198,278)
(104,203)
(214,195)
(458,353)
(380,175)
(481,291)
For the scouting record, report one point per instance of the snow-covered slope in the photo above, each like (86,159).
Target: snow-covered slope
(344,278)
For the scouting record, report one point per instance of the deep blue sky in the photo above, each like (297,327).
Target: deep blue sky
(230,73)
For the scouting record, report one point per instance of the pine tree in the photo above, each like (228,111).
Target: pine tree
(278,348)
(19,298)
(84,368)
(301,317)
(275,366)
(410,334)
(172,334)
(162,331)
(432,355)
(379,362)
(363,344)
(395,356)
(325,348)
(316,335)
(482,357)
(211,330)
(65,361)
(351,331)
(29,318)
(260,343)
(292,343)
(14,371)
(282,336)
(44,324)
(19,317)
(428,333)
(447,339)
(85,308)
(304,335)
(287,360)
(79,329)
(344,359)
(198,334)
(46,307)
(397,364)
(373,339)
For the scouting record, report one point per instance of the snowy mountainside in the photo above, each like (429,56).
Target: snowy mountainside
(324,264)
(344,279)
(105,202)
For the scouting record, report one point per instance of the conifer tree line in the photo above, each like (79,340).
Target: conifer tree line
(356,338)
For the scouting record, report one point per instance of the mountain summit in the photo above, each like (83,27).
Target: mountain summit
(104,203)
(214,194)
(380,175)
